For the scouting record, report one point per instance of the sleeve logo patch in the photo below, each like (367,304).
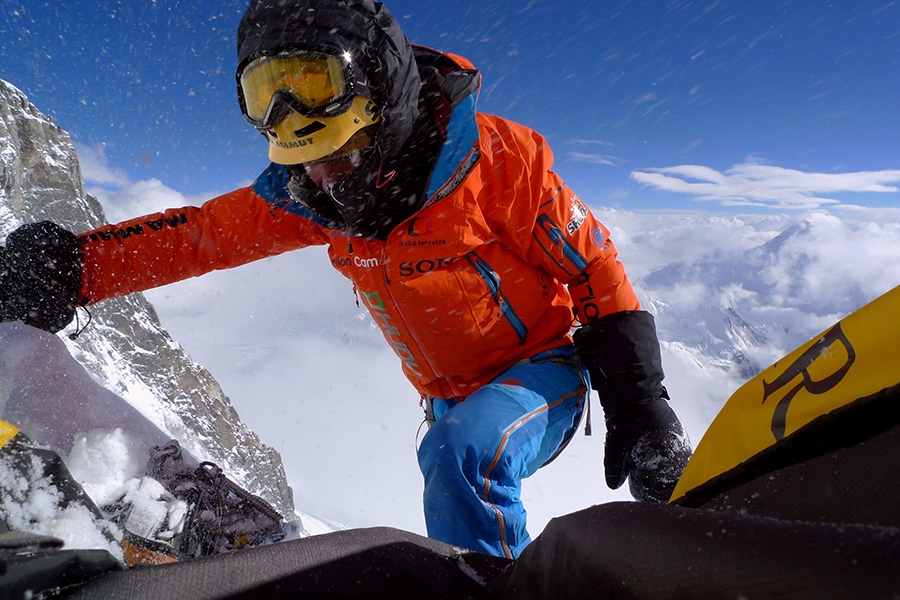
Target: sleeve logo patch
(579,212)
(599,238)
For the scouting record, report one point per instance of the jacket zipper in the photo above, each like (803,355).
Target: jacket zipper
(556,236)
(490,278)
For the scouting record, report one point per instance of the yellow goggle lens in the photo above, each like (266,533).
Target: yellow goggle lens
(315,81)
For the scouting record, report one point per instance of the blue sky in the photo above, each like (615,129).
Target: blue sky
(746,106)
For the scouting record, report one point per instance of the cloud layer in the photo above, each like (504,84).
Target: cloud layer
(95,168)
(753,184)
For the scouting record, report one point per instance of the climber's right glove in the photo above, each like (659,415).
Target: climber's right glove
(40,276)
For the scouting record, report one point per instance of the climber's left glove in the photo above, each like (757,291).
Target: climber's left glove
(40,276)
(645,441)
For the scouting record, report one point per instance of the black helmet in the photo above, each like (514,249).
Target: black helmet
(384,66)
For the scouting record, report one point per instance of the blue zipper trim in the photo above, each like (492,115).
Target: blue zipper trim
(492,280)
(272,186)
(548,226)
(462,135)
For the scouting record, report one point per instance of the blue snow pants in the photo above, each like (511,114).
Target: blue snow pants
(479,449)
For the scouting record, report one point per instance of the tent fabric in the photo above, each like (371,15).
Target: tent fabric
(844,427)
(638,551)
(858,484)
(28,575)
(827,527)
(358,563)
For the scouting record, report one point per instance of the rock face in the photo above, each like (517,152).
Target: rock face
(125,348)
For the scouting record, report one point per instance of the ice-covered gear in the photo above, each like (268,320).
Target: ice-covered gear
(40,275)
(489,253)
(380,60)
(304,103)
(645,441)
(477,452)
(194,512)
(657,460)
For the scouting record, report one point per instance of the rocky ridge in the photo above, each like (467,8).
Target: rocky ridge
(125,348)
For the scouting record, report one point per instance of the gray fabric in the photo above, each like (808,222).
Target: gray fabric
(638,551)
(360,563)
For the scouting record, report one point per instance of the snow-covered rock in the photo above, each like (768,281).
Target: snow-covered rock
(124,348)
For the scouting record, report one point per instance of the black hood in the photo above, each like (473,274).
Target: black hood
(381,53)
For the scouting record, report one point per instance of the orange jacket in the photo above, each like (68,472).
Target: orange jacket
(488,272)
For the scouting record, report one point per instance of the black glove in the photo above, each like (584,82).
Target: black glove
(645,441)
(40,276)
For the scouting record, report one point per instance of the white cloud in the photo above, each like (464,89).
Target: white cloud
(141,198)
(96,170)
(587,142)
(754,184)
(592,157)
(598,159)
(122,198)
(643,99)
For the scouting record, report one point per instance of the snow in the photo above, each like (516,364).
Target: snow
(105,446)
(102,440)
(155,513)
(35,504)
(102,461)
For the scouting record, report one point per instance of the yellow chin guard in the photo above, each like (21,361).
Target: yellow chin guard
(298,139)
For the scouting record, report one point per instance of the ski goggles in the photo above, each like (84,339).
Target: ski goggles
(313,84)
